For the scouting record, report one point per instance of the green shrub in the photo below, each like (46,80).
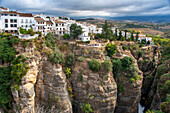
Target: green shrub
(124,47)
(161,70)
(141,45)
(68,72)
(132,80)
(18,71)
(120,88)
(107,65)
(127,61)
(87,108)
(7,52)
(140,54)
(5,93)
(94,65)
(62,48)
(66,36)
(57,58)
(111,49)
(70,60)
(14,40)
(117,65)
(137,77)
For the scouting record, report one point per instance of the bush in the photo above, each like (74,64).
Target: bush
(132,80)
(70,60)
(94,65)
(14,40)
(111,49)
(57,58)
(124,48)
(107,65)
(62,47)
(120,88)
(7,52)
(87,108)
(140,54)
(66,36)
(68,72)
(117,65)
(127,61)
(137,77)
(141,45)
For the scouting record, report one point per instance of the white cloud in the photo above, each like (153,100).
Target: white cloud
(90,7)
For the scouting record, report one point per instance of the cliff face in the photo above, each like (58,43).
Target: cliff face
(43,87)
(25,97)
(96,88)
(51,88)
(129,92)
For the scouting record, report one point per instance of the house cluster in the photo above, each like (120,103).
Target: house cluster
(11,21)
(128,35)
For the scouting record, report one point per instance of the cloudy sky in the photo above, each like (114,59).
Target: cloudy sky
(90,7)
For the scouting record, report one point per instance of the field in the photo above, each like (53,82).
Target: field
(147,31)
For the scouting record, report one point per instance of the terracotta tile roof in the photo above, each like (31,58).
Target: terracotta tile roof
(49,23)
(39,19)
(57,21)
(9,12)
(4,8)
(25,15)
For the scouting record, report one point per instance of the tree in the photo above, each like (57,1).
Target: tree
(120,35)
(66,36)
(148,42)
(116,33)
(94,65)
(107,31)
(137,36)
(107,65)
(111,49)
(125,34)
(98,36)
(132,37)
(75,30)
(127,61)
(57,58)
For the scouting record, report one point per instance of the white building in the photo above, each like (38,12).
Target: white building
(84,36)
(10,21)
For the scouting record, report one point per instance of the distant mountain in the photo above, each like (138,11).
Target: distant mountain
(152,19)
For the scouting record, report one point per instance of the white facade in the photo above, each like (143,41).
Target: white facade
(10,21)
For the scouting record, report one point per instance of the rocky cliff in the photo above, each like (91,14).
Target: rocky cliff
(43,88)
(99,89)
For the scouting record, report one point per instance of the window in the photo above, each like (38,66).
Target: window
(30,21)
(15,20)
(62,24)
(60,28)
(11,25)
(6,20)
(26,26)
(12,21)
(22,26)
(56,24)
(63,28)
(30,25)
(15,25)
(11,15)
(15,15)
(22,21)
(26,21)
(6,14)
(63,32)
(6,25)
